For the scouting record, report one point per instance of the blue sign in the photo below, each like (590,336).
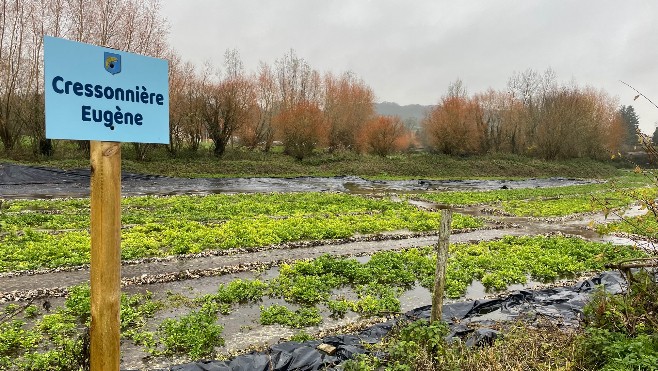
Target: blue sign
(96,93)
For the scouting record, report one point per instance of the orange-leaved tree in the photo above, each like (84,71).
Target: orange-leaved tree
(348,105)
(454,126)
(383,135)
(302,128)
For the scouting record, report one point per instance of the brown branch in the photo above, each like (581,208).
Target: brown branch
(639,263)
(639,94)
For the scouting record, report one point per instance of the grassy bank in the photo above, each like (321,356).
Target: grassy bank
(242,163)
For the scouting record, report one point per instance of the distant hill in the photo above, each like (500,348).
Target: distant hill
(411,114)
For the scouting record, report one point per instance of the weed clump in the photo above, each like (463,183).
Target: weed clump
(421,346)
(195,334)
(279,314)
(622,330)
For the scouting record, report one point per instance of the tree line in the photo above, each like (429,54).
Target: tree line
(288,101)
(535,116)
(291,103)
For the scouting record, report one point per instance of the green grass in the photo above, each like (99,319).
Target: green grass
(489,197)
(241,163)
(620,184)
(55,341)
(279,314)
(497,264)
(621,332)
(513,259)
(74,213)
(195,334)
(54,233)
(379,282)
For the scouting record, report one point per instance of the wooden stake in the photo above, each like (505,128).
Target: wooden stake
(105,255)
(441,259)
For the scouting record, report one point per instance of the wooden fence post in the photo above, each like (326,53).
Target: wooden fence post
(441,259)
(105,255)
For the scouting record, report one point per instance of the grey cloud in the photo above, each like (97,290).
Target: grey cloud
(409,51)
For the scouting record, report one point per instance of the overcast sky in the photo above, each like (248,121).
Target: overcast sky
(410,51)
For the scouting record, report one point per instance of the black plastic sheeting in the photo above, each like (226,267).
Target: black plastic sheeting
(17,181)
(564,304)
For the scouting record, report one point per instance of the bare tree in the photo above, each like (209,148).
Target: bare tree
(12,44)
(227,104)
(502,122)
(31,110)
(259,130)
(81,20)
(457,89)
(297,81)
(184,122)
(176,106)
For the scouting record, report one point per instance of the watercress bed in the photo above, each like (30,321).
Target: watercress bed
(309,288)
(54,233)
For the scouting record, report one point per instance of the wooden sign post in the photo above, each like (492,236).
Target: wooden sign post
(105,255)
(106,96)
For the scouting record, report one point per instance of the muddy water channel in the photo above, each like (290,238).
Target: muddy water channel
(177,281)
(18,181)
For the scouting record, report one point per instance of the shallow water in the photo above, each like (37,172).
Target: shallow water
(18,181)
